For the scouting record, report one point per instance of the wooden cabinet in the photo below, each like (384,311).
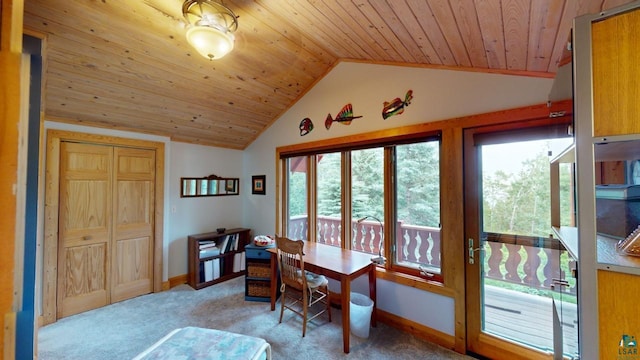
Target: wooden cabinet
(616,74)
(617,309)
(607,128)
(258,279)
(215,257)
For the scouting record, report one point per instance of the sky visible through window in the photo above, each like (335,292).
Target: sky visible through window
(512,155)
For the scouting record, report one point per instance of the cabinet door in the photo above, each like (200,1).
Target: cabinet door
(85,227)
(133,214)
(618,296)
(616,75)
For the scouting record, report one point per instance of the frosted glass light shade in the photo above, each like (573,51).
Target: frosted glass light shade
(210,42)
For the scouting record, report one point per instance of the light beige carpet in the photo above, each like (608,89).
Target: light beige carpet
(124,329)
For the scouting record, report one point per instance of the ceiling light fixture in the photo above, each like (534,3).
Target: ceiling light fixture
(211,27)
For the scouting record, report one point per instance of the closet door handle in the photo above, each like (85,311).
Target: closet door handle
(86,237)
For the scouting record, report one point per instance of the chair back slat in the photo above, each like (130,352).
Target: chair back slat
(291,262)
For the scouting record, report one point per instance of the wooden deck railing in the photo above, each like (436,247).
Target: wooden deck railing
(523,260)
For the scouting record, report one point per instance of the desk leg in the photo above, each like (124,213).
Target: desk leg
(372,293)
(345,289)
(274,281)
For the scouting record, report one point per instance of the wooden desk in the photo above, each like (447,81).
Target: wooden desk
(339,264)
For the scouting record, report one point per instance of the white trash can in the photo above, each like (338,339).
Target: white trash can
(360,309)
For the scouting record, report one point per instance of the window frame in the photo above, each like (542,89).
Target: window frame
(388,144)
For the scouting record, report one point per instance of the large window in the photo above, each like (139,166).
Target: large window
(384,199)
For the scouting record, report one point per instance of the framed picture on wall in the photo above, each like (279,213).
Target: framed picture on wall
(258,184)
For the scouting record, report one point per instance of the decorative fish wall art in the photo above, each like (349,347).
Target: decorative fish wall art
(396,107)
(344,117)
(306,125)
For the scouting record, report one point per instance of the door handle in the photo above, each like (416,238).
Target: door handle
(559,282)
(472,251)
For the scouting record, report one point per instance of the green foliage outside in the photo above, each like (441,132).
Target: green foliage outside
(417,178)
(520,204)
(516,203)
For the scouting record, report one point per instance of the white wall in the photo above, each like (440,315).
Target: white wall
(202,214)
(437,95)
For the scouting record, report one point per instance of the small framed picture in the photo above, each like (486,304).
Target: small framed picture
(258,184)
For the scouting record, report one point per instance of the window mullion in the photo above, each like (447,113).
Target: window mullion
(389,204)
(312,197)
(346,200)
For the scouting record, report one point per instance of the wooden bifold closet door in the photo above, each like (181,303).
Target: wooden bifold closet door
(106,225)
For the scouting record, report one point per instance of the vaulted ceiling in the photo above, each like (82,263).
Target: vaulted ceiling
(126,65)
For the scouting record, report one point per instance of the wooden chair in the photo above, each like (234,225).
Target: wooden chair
(299,292)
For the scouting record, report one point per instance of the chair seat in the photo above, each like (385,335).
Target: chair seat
(314,280)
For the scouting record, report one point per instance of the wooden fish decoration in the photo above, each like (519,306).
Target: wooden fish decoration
(344,117)
(396,107)
(306,125)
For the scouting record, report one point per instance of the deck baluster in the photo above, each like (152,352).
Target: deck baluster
(552,268)
(434,250)
(531,266)
(494,261)
(416,251)
(513,260)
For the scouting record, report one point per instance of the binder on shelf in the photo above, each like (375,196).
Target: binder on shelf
(216,268)
(236,263)
(208,270)
(201,271)
(243,261)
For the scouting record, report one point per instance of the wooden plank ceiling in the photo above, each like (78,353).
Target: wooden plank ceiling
(126,65)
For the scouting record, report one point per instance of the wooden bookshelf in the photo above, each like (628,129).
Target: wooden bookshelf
(208,266)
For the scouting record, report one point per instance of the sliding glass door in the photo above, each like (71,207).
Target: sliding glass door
(512,260)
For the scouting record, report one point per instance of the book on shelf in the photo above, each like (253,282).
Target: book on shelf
(223,244)
(209,251)
(229,243)
(235,241)
(206,244)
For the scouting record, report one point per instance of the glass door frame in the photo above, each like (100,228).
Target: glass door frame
(479,342)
